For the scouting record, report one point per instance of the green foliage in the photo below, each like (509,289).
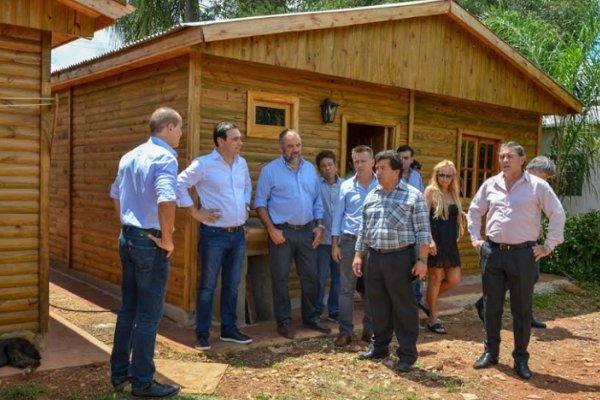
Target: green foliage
(24,391)
(579,256)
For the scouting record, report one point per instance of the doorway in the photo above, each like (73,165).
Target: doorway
(378,135)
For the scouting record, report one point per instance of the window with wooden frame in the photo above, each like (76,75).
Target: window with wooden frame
(269,114)
(478,161)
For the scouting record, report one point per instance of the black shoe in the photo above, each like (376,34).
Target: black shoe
(157,390)
(403,366)
(236,337)
(202,343)
(537,324)
(119,384)
(486,360)
(333,317)
(317,326)
(479,307)
(373,354)
(522,369)
(424,308)
(286,331)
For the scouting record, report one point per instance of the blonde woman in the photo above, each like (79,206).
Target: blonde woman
(447,225)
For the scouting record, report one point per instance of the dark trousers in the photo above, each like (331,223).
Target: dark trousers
(297,247)
(143,287)
(393,303)
(512,270)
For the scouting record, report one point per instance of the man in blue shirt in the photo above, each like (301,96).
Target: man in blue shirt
(144,194)
(330,193)
(412,176)
(288,203)
(347,217)
(223,184)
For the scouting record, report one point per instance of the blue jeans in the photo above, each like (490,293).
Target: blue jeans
(143,287)
(220,252)
(325,266)
(297,247)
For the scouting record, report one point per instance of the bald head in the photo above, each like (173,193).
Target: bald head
(161,118)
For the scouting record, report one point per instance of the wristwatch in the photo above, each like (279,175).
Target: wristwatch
(423,260)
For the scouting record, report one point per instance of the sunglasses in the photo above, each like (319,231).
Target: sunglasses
(448,176)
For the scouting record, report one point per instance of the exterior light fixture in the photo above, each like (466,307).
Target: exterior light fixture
(328,109)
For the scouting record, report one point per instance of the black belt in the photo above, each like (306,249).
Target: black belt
(506,246)
(350,236)
(388,251)
(154,232)
(292,226)
(230,229)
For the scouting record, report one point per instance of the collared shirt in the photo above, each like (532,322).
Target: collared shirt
(330,194)
(219,185)
(290,196)
(414,179)
(147,176)
(514,216)
(348,215)
(394,220)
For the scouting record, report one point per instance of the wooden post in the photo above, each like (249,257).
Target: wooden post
(411,115)
(45,143)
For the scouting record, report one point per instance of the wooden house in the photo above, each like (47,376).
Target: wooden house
(28,31)
(425,73)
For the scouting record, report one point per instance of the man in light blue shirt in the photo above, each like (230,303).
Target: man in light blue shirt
(328,267)
(411,176)
(288,203)
(144,194)
(347,217)
(223,184)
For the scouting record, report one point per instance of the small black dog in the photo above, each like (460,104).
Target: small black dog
(19,352)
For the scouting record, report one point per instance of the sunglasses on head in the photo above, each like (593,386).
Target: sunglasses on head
(449,176)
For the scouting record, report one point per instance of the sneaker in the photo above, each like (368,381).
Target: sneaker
(236,337)
(202,344)
(333,317)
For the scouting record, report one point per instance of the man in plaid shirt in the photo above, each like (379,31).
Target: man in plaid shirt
(395,219)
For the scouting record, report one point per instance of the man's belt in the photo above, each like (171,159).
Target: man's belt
(350,236)
(388,251)
(507,246)
(154,232)
(292,226)
(231,229)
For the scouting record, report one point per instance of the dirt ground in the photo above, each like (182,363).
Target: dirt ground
(565,361)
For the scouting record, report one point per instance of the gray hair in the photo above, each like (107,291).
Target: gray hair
(542,164)
(520,150)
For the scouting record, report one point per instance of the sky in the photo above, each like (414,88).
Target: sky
(81,50)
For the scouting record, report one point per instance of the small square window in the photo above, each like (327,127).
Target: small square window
(269,114)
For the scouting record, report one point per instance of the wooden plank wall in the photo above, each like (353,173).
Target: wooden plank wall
(225,84)
(60,186)
(20,76)
(437,121)
(109,118)
(432,54)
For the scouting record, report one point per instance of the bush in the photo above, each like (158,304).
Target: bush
(579,256)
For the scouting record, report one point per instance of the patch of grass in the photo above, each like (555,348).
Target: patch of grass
(452,385)
(412,396)
(22,391)
(377,391)
(568,302)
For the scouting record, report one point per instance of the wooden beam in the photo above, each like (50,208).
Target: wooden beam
(540,132)
(411,116)
(471,24)
(152,51)
(95,8)
(269,25)
(194,118)
(46,127)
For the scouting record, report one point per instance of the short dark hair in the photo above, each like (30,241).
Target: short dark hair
(325,154)
(404,148)
(161,117)
(220,130)
(520,150)
(395,161)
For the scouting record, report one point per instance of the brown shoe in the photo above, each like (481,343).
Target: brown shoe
(342,341)
(286,331)
(367,337)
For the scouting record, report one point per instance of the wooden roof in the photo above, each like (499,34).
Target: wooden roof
(247,32)
(66,19)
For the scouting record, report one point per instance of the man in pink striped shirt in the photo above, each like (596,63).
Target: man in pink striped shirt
(513,201)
